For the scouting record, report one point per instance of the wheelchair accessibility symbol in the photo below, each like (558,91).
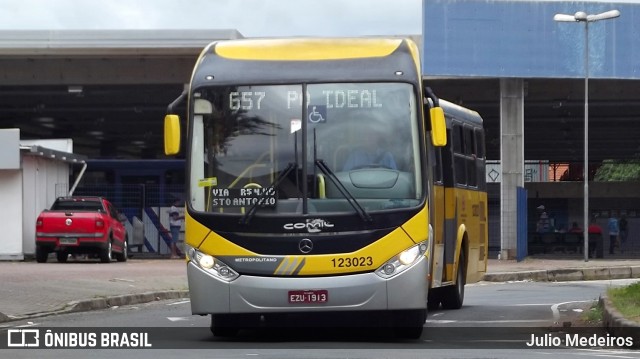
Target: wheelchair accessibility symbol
(317,113)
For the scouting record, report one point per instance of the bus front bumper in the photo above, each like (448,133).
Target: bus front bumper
(356,292)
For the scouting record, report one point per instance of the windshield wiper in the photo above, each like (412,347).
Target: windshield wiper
(272,187)
(343,190)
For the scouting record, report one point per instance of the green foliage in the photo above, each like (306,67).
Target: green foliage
(626,300)
(595,314)
(618,170)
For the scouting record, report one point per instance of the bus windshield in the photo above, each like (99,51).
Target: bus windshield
(269,145)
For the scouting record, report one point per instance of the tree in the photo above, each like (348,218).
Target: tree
(618,170)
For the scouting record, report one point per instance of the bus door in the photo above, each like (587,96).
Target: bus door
(445,219)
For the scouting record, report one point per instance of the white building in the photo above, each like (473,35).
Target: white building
(32,175)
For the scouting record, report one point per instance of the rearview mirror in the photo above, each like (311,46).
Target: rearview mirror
(171,134)
(438,127)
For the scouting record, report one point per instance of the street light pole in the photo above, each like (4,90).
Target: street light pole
(582,16)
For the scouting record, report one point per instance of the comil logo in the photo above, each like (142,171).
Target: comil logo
(311,225)
(23,338)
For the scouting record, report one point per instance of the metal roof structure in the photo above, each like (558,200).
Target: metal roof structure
(106,89)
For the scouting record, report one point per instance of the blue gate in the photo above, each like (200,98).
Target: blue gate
(521,226)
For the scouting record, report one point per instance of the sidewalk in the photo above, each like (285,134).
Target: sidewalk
(554,268)
(30,289)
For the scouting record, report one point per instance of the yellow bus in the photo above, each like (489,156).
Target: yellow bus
(310,175)
(459,208)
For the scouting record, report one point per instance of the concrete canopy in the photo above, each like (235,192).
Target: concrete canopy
(107,90)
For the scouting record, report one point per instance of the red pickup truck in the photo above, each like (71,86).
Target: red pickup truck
(81,225)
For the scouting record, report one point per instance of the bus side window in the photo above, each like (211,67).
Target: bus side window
(479,134)
(480,161)
(458,139)
(471,154)
(437,176)
(459,160)
(446,157)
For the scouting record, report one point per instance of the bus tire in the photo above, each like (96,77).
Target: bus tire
(223,325)
(409,323)
(453,296)
(433,299)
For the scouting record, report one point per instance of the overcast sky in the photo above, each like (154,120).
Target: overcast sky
(250,17)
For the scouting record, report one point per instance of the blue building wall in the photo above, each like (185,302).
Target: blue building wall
(503,38)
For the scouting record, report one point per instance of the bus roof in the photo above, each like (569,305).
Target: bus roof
(459,112)
(305,49)
(296,60)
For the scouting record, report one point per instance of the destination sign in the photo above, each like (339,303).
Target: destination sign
(243,197)
(351,98)
(334,98)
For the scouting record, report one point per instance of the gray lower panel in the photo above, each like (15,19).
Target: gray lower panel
(250,294)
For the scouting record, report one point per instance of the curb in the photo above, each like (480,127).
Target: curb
(564,275)
(102,303)
(618,325)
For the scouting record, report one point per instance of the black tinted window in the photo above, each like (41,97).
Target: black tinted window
(66,205)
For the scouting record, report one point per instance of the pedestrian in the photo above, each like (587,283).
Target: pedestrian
(614,230)
(543,225)
(595,237)
(624,232)
(175,225)
(575,228)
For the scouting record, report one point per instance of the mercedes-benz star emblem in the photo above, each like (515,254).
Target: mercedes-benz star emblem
(305,245)
(68,221)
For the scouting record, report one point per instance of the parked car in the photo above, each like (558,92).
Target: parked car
(81,225)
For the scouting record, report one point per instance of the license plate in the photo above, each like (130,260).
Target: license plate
(69,241)
(308,296)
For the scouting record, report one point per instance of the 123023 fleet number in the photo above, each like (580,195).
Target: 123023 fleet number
(348,262)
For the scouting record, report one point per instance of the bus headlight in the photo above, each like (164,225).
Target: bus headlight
(206,261)
(402,261)
(212,265)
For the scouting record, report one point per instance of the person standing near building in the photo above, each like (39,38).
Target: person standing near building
(175,225)
(543,225)
(624,232)
(614,230)
(594,232)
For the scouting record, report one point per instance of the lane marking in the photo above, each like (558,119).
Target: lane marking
(180,302)
(556,312)
(177,319)
(122,280)
(29,324)
(443,321)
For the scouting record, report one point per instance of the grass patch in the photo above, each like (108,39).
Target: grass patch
(594,315)
(626,300)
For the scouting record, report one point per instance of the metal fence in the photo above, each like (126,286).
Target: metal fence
(146,203)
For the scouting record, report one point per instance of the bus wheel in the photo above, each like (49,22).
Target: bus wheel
(454,295)
(409,323)
(223,325)
(434,298)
